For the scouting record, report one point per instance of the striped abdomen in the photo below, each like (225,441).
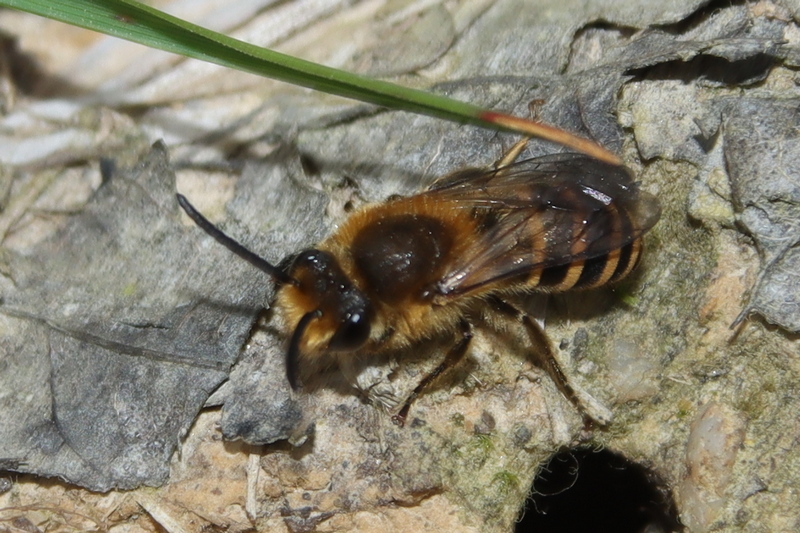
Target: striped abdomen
(578,237)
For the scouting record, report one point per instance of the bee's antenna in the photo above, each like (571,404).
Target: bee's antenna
(255,260)
(293,353)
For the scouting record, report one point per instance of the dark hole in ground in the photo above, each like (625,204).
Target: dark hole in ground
(582,490)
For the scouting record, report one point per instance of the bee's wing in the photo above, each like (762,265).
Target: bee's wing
(541,213)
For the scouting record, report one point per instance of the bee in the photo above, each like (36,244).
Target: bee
(418,268)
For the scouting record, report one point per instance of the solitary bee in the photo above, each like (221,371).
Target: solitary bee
(418,268)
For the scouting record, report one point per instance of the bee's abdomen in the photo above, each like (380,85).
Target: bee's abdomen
(590,273)
(584,242)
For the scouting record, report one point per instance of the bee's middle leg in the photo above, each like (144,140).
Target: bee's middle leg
(454,355)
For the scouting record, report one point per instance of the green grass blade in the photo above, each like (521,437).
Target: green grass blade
(142,24)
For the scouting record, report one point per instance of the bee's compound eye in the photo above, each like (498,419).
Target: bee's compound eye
(353,331)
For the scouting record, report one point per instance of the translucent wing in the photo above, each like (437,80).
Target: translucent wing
(540,213)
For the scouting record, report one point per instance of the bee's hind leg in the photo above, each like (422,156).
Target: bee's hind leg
(454,355)
(544,355)
(511,155)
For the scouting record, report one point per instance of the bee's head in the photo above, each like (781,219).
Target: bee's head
(329,313)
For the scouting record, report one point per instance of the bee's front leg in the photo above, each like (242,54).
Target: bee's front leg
(372,381)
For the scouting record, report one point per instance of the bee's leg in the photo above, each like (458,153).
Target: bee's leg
(545,357)
(534,106)
(511,155)
(371,381)
(454,355)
